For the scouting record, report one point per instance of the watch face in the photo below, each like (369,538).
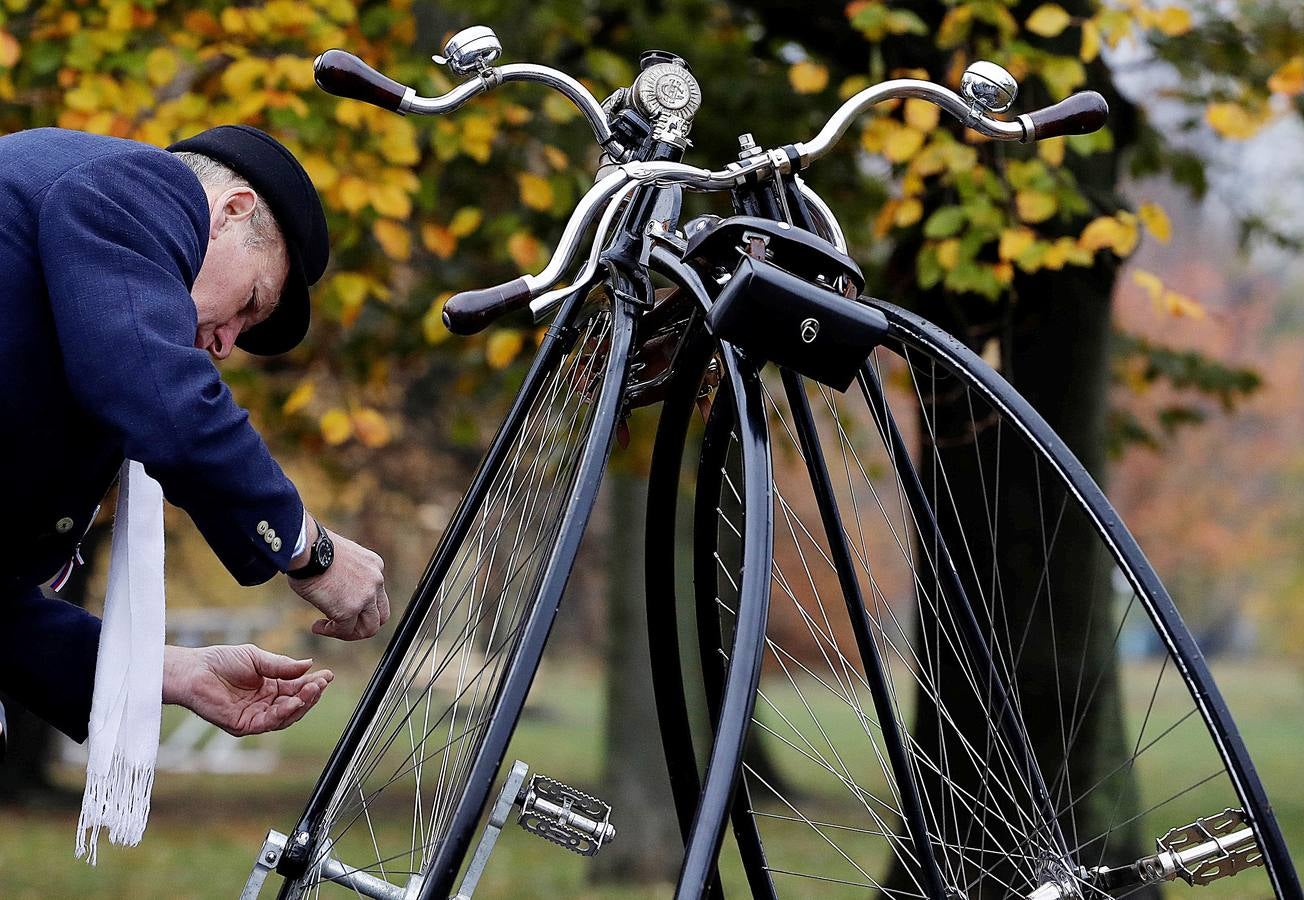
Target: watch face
(325,553)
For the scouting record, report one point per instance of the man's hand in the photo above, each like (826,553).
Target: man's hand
(241,689)
(351,593)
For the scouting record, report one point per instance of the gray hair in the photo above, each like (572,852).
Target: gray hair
(263,229)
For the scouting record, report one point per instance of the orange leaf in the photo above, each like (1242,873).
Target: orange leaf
(371,428)
(438,240)
(393,238)
(10,50)
(524,249)
(502,347)
(1289,79)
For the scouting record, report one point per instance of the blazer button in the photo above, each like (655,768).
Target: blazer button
(276,545)
(64,525)
(262,527)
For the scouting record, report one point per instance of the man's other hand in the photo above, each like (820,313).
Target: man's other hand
(351,593)
(241,689)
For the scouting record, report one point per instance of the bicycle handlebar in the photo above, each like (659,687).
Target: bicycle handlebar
(468,312)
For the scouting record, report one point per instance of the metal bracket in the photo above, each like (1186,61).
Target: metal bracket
(507,798)
(265,864)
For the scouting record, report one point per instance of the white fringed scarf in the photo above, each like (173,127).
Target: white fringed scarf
(127,704)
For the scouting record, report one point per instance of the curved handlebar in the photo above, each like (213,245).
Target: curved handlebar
(468,312)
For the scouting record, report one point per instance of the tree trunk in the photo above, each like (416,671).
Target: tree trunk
(647,845)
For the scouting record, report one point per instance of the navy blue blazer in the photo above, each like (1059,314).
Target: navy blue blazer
(100,242)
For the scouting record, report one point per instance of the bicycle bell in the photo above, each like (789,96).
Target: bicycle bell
(986,85)
(470,50)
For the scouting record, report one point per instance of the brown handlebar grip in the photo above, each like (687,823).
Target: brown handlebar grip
(473,311)
(344,75)
(1079,114)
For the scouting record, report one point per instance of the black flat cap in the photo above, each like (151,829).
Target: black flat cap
(277,177)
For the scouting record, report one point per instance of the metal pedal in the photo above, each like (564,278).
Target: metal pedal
(551,810)
(1202,852)
(1209,848)
(569,818)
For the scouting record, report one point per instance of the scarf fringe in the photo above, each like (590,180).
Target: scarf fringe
(117,800)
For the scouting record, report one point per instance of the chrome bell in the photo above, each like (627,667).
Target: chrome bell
(470,50)
(988,86)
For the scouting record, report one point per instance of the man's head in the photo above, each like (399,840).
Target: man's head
(267,241)
(246,263)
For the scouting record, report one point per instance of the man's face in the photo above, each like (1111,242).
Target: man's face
(238,286)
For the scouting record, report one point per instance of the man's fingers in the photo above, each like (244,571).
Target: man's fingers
(274,665)
(382,603)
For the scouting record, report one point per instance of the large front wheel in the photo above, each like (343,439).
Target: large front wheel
(975,685)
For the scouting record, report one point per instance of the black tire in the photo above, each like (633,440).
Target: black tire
(1093,753)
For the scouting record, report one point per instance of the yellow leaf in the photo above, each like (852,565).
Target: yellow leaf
(1100,233)
(903,143)
(908,213)
(921,114)
(1014,241)
(10,50)
(1090,41)
(1048,20)
(1232,120)
(160,64)
(299,398)
(808,77)
(438,240)
(399,144)
(324,175)
(1156,221)
(1150,283)
(335,427)
(502,347)
(465,221)
(1035,206)
(1062,75)
(1173,20)
(948,253)
(371,428)
(239,77)
(1051,150)
(353,193)
(536,192)
(955,27)
(1289,79)
(524,249)
(1181,305)
(390,200)
(393,238)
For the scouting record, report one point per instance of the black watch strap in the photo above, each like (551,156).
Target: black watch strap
(319,558)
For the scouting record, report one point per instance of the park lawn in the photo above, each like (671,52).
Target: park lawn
(205,829)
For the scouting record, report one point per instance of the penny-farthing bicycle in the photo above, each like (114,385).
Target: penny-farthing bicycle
(872,600)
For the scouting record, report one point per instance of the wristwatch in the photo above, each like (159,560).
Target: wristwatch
(320,557)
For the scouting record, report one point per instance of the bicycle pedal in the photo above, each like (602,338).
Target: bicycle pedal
(1209,848)
(568,817)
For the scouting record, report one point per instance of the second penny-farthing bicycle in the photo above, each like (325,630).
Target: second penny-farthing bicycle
(876,608)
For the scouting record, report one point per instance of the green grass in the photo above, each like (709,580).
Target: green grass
(204,830)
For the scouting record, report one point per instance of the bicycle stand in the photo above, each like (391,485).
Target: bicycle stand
(548,809)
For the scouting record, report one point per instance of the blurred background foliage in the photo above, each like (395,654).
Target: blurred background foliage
(380,416)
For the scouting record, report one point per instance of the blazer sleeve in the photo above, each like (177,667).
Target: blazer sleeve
(121,239)
(48,650)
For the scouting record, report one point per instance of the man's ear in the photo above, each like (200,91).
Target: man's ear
(232,206)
